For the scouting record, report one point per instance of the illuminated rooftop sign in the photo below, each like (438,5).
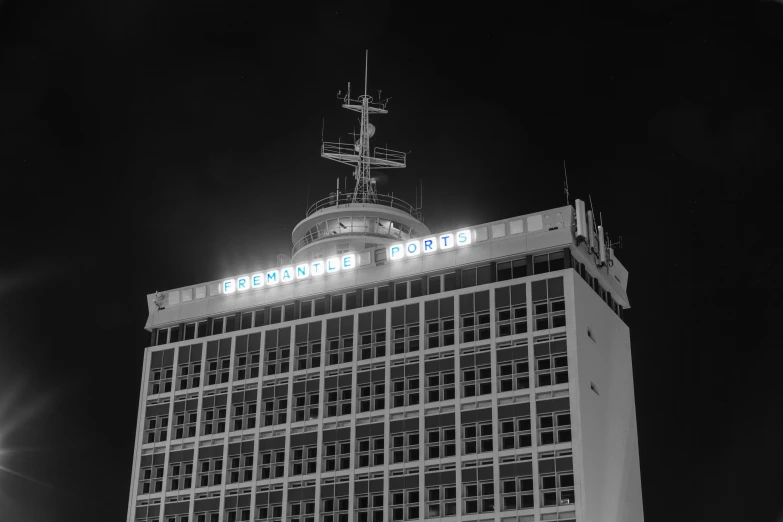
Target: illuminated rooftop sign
(331,265)
(430,245)
(289,274)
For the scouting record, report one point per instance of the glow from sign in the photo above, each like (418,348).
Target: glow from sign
(429,245)
(464,237)
(396,251)
(257,281)
(302,271)
(229,286)
(348,261)
(332,265)
(287,274)
(318,268)
(243,283)
(412,248)
(272,277)
(446,241)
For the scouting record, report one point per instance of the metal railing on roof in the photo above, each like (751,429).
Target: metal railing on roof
(385,200)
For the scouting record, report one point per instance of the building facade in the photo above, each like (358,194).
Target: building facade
(392,374)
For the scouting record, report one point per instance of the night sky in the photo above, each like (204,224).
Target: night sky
(151,145)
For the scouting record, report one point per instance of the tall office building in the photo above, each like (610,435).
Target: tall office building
(390,373)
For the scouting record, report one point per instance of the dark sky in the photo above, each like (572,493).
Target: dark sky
(151,145)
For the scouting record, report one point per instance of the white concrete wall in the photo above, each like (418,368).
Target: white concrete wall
(606,447)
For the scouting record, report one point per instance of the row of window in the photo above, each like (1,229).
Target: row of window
(406,446)
(511,375)
(407,504)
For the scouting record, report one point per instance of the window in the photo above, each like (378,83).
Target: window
(439,318)
(276,315)
(304,459)
(210,466)
(275,400)
(209,516)
(405,385)
(240,462)
(243,410)
(440,381)
(337,303)
(246,320)
(247,357)
(514,423)
(306,309)
(336,450)
(218,361)
(554,428)
(400,291)
(513,369)
(383,294)
(320,306)
(372,334)
(157,423)
(416,288)
(213,414)
(162,337)
(404,441)
(269,506)
(548,304)
(301,511)
(271,462)
(223,324)
(440,442)
(511,310)
(151,477)
(369,507)
(442,500)
(449,282)
(368,297)
(350,301)
(404,504)
(237,514)
(548,262)
(370,451)
(433,285)
(161,372)
(337,396)
(518,493)
(551,363)
(201,329)
(476,374)
(339,339)
(476,437)
(371,387)
(277,351)
(405,325)
(513,269)
(334,508)
(557,488)
(306,400)
(189,367)
(185,417)
(478,497)
(308,345)
(180,473)
(468,277)
(474,316)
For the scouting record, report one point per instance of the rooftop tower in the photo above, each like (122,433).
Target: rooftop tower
(352,221)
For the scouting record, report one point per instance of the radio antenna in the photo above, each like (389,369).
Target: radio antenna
(565,172)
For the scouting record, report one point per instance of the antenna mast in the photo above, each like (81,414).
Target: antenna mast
(358,155)
(565,172)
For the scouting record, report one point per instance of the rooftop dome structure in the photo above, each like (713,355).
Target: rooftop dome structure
(358,220)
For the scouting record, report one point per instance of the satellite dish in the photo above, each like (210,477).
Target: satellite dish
(370,130)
